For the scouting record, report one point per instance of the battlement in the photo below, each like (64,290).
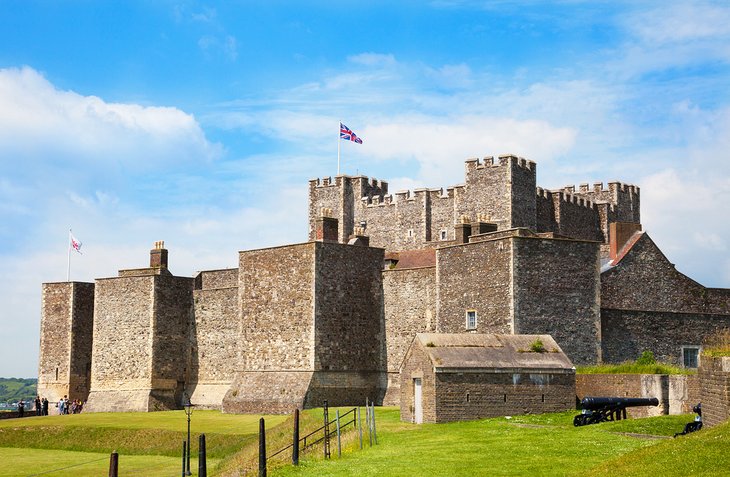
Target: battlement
(507,159)
(368,185)
(614,188)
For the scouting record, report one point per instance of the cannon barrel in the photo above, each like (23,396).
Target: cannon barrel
(594,403)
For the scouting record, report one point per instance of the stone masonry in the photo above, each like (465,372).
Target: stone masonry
(288,327)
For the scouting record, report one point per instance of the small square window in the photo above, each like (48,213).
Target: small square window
(443,235)
(690,356)
(471,320)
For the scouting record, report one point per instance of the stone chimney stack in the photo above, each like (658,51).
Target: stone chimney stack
(359,238)
(463,230)
(619,233)
(158,255)
(483,226)
(325,229)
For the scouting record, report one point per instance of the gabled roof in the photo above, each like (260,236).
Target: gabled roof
(622,253)
(496,353)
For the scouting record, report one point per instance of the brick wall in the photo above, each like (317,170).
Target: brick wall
(409,297)
(714,378)
(677,393)
(466,396)
(556,290)
(444,394)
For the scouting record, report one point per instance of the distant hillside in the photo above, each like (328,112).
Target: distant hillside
(14,389)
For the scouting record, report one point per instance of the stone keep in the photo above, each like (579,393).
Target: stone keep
(332,318)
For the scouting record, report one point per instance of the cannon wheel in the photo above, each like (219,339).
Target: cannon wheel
(580,420)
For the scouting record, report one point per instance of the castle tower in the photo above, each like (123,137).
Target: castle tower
(140,356)
(67,316)
(311,327)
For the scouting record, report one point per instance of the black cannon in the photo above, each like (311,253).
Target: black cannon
(603,409)
(695,425)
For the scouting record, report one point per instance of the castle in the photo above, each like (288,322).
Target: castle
(332,318)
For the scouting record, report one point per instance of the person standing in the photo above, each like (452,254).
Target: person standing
(38,406)
(21,408)
(62,406)
(45,407)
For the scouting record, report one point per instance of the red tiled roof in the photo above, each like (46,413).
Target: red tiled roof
(413,258)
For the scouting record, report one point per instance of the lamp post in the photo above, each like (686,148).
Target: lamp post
(188,406)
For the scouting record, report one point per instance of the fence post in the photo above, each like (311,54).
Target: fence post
(359,425)
(262,448)
(202,464)
(295,444)
(339,443)
(368,420)
(326,431)
(185,448)
(372,420)
(114,464)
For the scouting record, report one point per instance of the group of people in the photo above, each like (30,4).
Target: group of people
(64,405)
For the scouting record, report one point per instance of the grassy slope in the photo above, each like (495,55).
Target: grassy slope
(525,445)
(145,440)
(705,453)
(14,389)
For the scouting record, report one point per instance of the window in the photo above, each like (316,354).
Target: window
(471,320)
(691,356)
(443,234)
(410,233)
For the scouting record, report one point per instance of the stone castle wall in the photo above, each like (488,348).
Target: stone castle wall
(409,297)
(476,277)
(213,337)
(311,327)
(501,190)
(67,315)
(140,347)
(556,292)
(646,304)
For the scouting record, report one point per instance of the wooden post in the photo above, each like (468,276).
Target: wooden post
(339,443)
(185,449)
(359,425)
(326,431)
(114,464)
(262,448)
(372,420)
(202,464)
(295,443)
(368,419)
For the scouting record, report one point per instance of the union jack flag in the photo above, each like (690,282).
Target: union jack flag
(347,134)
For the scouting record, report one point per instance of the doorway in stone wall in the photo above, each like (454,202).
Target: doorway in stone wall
(417,401)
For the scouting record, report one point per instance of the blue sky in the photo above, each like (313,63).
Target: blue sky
(200,123)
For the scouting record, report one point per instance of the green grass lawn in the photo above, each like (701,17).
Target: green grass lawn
(149,444)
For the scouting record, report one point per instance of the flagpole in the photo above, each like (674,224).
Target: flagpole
(68,269)
(339,140)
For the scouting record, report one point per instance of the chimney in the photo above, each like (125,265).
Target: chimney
(463,230)
(483,226)
(326,227)
(359,238)
(618,234)
(158,255)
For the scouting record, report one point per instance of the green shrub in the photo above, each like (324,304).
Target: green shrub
(646,358)
(537,346)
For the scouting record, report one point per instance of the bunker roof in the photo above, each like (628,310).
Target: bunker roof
(470,352)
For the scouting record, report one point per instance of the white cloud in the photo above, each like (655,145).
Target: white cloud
(681,22)
(41,122)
